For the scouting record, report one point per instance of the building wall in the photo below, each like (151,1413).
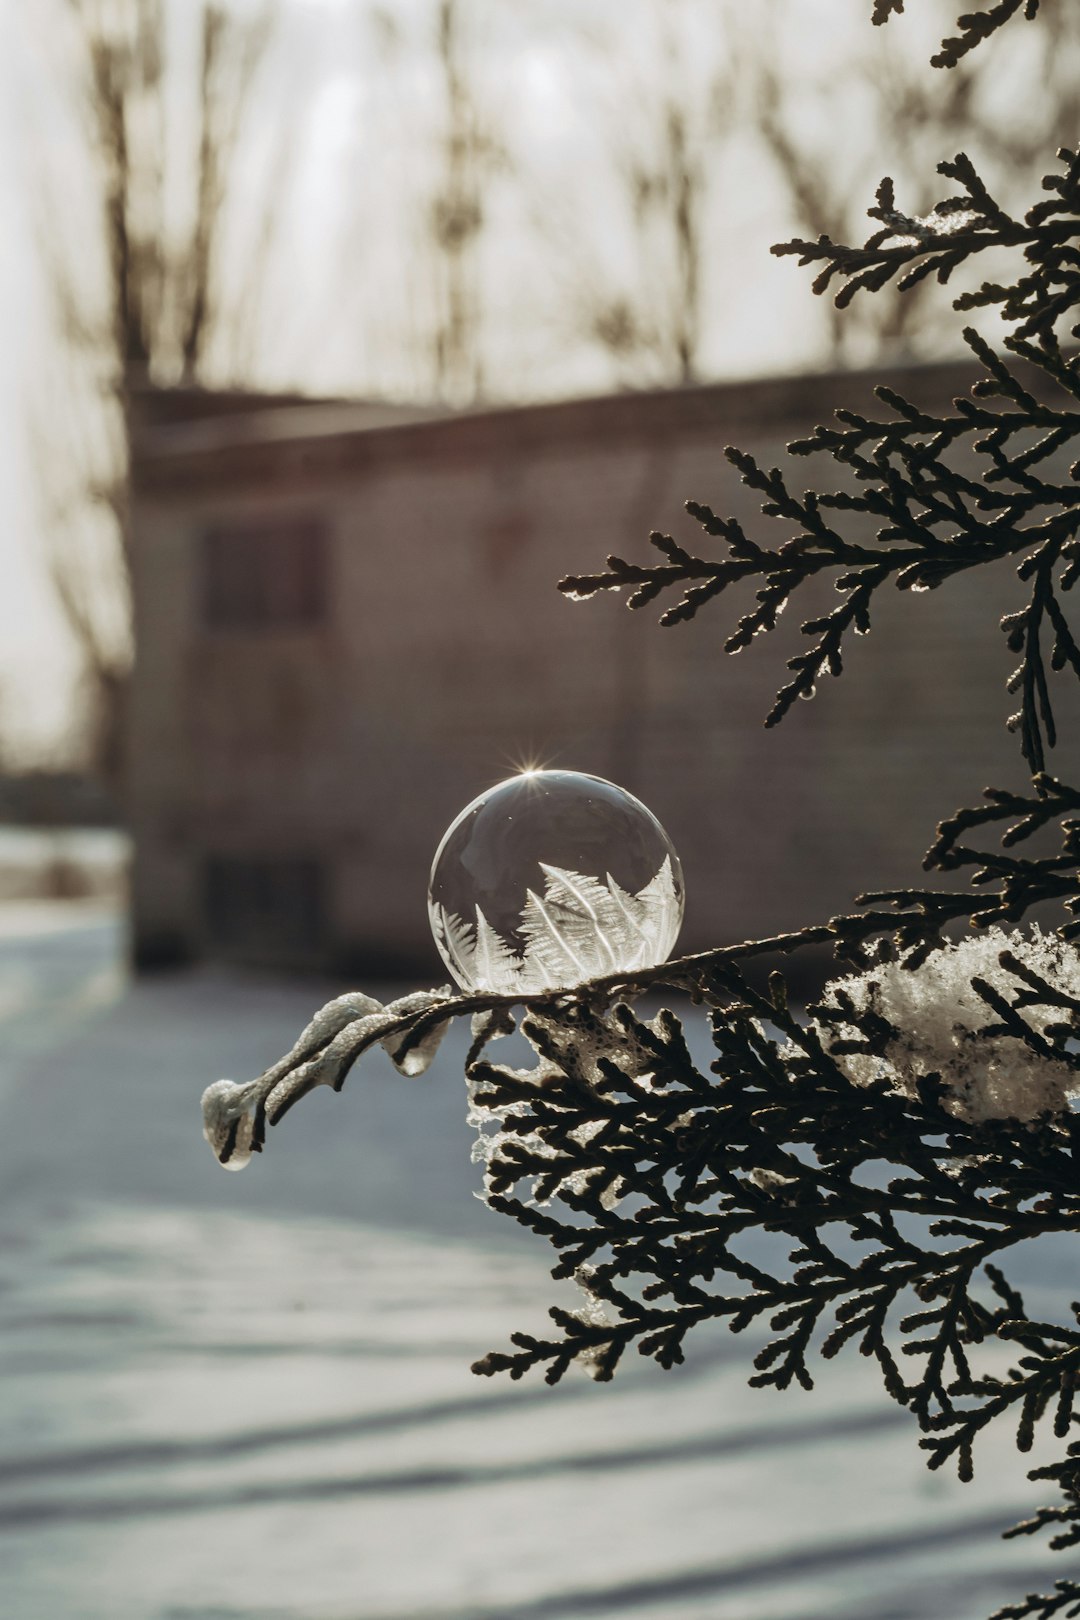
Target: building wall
(445,657)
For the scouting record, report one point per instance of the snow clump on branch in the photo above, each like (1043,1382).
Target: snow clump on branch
(903,1024)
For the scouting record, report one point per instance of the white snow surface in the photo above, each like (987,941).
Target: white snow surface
(249,1398)
(939,1022)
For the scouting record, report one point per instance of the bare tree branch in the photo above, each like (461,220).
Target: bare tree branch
(160,307)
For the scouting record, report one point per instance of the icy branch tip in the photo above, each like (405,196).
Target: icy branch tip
(226,1110)
(235,1116)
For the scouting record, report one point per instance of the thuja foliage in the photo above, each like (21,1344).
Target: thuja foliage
(848,1176)
(972,27)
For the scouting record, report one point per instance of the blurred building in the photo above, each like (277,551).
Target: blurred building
(348,626)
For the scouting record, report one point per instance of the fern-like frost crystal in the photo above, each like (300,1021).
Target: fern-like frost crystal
(551,879)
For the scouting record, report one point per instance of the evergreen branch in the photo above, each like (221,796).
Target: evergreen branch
(849,1177)
(1061,1604)
(884,9)
(948,535)
(653,1180)
(931,519)
(977,26)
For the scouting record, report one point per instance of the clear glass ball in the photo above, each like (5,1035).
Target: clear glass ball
(552,878)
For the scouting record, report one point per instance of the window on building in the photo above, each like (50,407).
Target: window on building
(265,573)
(265,909)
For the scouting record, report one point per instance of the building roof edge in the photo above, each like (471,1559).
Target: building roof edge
(297,441)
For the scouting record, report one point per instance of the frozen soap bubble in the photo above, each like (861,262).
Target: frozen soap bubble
(552,878)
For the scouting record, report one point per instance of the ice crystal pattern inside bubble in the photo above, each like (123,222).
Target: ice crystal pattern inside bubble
(579,928)
(550,879)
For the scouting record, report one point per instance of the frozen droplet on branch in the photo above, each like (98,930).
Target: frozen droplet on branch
(550,879)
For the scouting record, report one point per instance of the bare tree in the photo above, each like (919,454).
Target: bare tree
(918,116)
(469,154)
(721,88)
(156,308)
(662,141)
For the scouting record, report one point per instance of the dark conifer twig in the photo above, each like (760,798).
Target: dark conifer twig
(896,1183)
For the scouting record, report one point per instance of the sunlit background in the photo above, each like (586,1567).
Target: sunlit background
(566,137)
(333,332)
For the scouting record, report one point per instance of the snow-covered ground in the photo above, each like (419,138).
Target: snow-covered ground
(248,1397)
(43,862)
